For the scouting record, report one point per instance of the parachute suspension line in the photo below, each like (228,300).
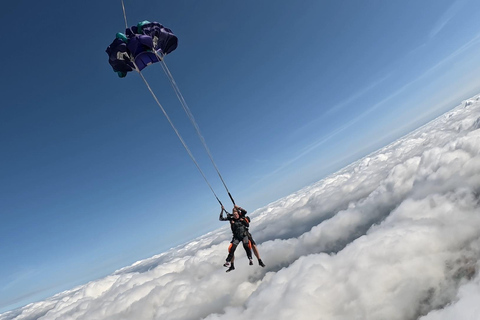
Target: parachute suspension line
(178,134)
(190,116)
(124,15)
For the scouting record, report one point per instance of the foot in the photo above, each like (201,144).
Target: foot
(250,262)
(226,264)
(260,262)
(230,269)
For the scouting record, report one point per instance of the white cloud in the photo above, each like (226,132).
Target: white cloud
(395,235)
(465,305)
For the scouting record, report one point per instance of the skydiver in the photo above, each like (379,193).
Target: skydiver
(243,213)
(239,226)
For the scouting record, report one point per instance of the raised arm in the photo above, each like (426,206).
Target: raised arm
(221,217)
(242,212)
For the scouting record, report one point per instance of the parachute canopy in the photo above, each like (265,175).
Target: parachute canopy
(140,46)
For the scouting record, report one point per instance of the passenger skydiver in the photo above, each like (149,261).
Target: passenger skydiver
(239,226)
(242,214)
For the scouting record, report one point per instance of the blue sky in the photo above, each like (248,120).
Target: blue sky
(93,177)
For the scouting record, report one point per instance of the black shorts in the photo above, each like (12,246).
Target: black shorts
(236,241)
(251,239)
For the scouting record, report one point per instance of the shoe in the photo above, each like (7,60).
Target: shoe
(226,264)
(260,262)
(250,262)
(230,269)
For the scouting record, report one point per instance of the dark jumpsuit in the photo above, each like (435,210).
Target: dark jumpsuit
(243,214)
(240,234)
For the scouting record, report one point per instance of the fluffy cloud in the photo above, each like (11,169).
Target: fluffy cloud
(395,235)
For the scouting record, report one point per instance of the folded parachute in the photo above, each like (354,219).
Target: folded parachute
(140,46)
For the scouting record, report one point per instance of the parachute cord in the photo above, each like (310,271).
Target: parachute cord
(178,134)
(124,15)
(190,116)
(168,118)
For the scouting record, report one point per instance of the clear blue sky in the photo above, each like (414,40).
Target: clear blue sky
(92,177)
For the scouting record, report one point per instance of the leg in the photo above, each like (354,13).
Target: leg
(231,250)
(232,266)
(254,246)
(233,260)
(255,250)
(231,253)
(246,246)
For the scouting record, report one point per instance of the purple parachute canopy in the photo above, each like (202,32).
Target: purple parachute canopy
(140,46)
(119,57)
(163,38)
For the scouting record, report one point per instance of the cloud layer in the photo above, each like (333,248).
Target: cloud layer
(395,235)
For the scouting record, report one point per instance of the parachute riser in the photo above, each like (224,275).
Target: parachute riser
(124,15)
